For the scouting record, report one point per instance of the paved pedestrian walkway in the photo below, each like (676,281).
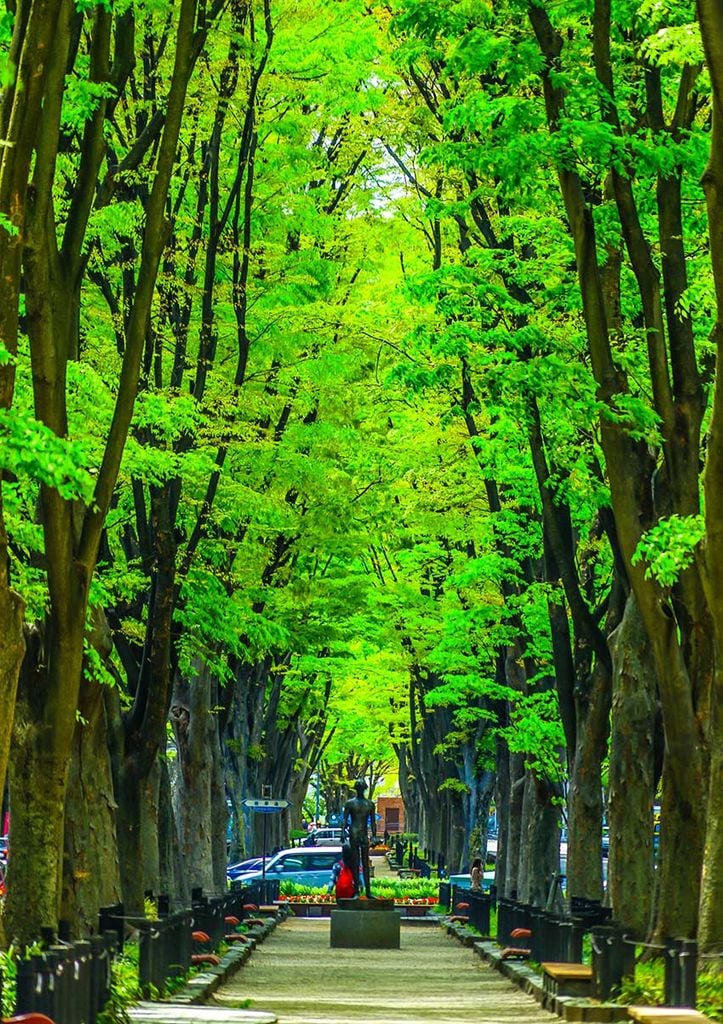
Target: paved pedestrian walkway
(431,978)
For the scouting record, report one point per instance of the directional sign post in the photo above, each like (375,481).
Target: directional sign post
(269,806)
(265,806)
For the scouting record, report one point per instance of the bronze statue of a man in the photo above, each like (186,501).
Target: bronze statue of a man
(358,812)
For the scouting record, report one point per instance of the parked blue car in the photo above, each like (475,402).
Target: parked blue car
(252,864)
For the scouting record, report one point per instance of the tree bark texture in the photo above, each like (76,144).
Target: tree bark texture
(540,840)
(632,774)
(12,650)
(513,880)
(196,734)
(173,879)
(585,807)
(710,16)
(42,740)
(502,809)
(91,874)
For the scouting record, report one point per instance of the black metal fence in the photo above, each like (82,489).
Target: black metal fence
(558,938)
(474,904)
(445,895)
(164,949)
(263,892)
(68,983)
(613,960)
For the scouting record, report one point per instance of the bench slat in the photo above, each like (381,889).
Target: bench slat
(666,1015)
(567,972)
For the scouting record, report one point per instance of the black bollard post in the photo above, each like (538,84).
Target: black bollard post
(688,973)
(607,961)
(600,970)
(185,947)
(577,930)
(445,894)
(537,939)
(26,985)
(672,972)
(97,976)
(43,995)
(58,977)
(146,959)
(111,917)
(551,936)
(504,920)
(565,933)
(486,913)
(82,971)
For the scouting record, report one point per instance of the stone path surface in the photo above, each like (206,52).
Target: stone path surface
(172,1013)
(295,975)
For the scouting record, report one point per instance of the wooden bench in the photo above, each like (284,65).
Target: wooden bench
(666,1015)
(408,872)
(567,979)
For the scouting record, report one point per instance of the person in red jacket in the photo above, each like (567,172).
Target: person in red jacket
(342,875)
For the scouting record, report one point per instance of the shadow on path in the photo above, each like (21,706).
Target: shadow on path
(431,978)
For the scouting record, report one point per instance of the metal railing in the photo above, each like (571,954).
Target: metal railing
(68,983)
(559,938)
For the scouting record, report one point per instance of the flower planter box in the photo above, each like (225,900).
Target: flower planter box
(325,909)
(311,909)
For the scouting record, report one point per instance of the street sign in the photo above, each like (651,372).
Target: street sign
(267,806)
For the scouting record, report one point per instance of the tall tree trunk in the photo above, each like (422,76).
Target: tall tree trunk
(195,730)
(91,874)
(710,16)
(219,815)
(410,793)
(540,849)
(514,833)
(12,651)
(11,658)
(34,32)
(502,809)
(585,808)
(42,741)
(173,878)
(632,774)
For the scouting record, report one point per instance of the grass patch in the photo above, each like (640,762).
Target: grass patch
(647,988)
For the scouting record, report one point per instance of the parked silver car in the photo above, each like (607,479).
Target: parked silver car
(304,865)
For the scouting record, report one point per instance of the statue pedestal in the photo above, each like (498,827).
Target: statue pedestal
(365,924)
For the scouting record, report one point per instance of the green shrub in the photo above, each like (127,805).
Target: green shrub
(124,987)
(8,974)
(647,988)
(710,993)
(386,888)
